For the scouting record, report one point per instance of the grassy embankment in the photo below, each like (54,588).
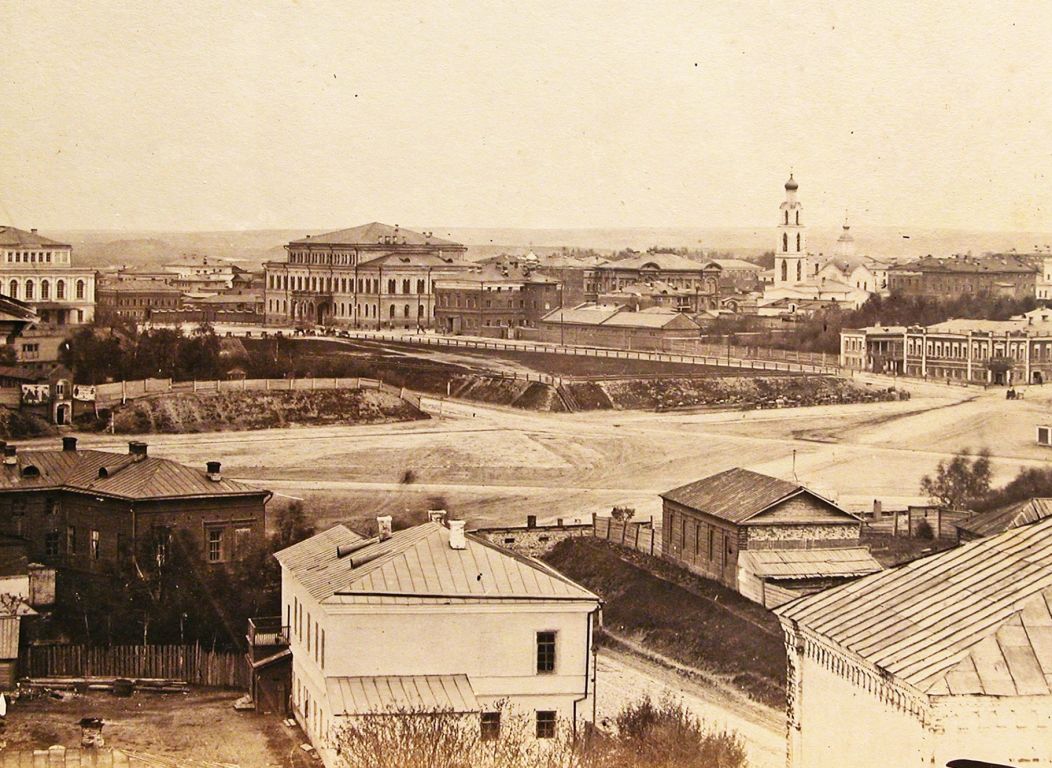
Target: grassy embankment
(234,411)
(691,620)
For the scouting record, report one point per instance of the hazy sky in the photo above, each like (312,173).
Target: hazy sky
(195,115)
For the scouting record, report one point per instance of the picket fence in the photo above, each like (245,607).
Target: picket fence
(192,664)
(639,536)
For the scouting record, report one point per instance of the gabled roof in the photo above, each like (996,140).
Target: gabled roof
(148,478)
(313,562)
(417,564)
(668,262)
(970,620)
(809,563)
(737,495)
(374,233)
(738,264)
(412,259)
(1012,516)
(13,237)
(401,694)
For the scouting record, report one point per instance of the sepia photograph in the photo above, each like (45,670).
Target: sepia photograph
(391,384)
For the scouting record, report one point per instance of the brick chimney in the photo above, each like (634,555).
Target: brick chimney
(383,527)
(214,470)
(10,455)
(137,449)
(456,535)
(436,516)
(69,444)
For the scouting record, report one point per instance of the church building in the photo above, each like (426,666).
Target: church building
(803,282)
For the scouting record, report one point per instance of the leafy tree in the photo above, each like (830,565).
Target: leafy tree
(291,526)
(622,514)
(959,482)
(1028,484)
(8,355)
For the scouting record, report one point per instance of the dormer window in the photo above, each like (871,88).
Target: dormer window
(30,471)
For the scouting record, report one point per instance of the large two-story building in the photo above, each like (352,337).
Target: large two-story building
(40,272)
(89,510)
(1002,274)
(700,279)
(431,619)
(493,300)
(373,276)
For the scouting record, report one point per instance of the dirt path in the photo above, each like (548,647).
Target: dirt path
(625,677)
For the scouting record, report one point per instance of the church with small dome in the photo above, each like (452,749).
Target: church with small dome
(804,280)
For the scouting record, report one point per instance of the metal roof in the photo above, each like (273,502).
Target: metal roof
(20,238)
(417,565)
(1011,516)
(124,477)
(667,262)
(313,562)
(738,494)
(809,563)
(970,620)
(402,694)
(371,234)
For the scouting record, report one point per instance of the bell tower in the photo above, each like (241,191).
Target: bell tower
(790,255)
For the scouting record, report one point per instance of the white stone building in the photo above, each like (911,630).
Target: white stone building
(431,618)
(947,658)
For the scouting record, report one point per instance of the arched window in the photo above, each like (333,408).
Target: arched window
(80,289)
(798,218)
(419,310)
(391,286)
(45,289)
(798,274)
(798,242)
(392,311)
(405,311)
(60,289)
(785,242)
(29,289)
(12,289)
(405,286)
(787,216)
(785,271)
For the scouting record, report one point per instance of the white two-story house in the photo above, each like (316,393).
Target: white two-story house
(432,619)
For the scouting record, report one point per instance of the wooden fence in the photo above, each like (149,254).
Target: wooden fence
(639,536)
(190,663)
(718,359)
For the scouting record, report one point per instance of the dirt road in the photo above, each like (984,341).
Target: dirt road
(496,465)
(624,678)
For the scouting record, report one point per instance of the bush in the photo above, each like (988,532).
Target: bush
(924,530)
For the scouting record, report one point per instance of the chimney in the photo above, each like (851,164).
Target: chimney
(137,449)
(878,508)
(214,470)
(531,521)
(33,230)
(69,444)
(10,455)
(456,535)
(436,516)
(383,526)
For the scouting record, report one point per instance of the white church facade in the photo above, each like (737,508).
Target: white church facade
(804,281)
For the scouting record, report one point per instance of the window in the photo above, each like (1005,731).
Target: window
(45,289)
(29,289)
(161,539)
(95,545)
(545,652)
(51,541)
(490,726)
(71,540)
(80,289)
(545,724)
(12,289)
(215,545)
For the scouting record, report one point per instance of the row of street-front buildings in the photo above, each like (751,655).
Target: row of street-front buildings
(1015,351)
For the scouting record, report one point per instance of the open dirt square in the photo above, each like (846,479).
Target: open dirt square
(496,465)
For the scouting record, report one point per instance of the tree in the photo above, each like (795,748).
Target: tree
(291,526)
(622,514)
(960,482)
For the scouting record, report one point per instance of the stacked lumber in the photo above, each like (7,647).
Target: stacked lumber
(95,683)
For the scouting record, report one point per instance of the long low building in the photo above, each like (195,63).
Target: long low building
(1015,351)
(944,661)
(613,326)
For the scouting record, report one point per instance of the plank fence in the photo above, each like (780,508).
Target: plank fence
(192,664)
(643,537)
